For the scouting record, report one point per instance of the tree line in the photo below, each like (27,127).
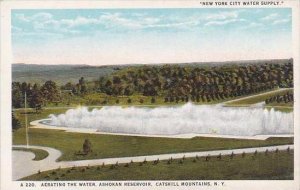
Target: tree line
(173,82)
(179,83)
(284,98)
(36,95)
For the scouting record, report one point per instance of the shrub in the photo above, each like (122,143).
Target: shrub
(87,146)
(255,153)
(231,156)
(166,99)
(152,100)
(207,158)
(266,152)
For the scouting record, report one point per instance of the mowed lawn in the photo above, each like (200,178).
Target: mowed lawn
(106,146)
(258,98)
(39,153)
(262,166)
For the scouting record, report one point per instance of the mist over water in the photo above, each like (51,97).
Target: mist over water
(186,119)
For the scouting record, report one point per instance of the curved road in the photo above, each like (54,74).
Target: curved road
(31,167)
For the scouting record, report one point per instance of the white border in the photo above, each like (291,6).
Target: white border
(5,83)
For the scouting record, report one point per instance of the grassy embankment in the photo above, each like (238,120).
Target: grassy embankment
(285,107)
(271,166)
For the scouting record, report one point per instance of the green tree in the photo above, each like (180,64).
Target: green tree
(87,146)
(49,91)
(36,100)
(15,122)
(82,85)
(17,96)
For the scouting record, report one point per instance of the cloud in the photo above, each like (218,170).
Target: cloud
(41,16)
(280,21)
(116,19)
(16,29)
(223,15)
(22,18)
(223,22)
(270,17)
(253,25)
(45,21)
(78,21)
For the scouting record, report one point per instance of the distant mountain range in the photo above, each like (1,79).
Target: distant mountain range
(62,74)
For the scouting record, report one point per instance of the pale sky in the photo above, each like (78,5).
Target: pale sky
(125,36)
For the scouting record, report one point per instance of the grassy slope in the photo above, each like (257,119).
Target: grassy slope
(272,166)
(39,154)
(257,99)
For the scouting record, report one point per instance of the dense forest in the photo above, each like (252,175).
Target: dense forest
(173,82)
(215,82)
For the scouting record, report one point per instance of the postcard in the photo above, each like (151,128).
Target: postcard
(150,95)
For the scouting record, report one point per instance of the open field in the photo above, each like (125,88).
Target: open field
(39,154)
(262,166)
(106,146)
(259,98)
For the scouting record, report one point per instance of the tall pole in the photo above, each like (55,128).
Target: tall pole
(26,126)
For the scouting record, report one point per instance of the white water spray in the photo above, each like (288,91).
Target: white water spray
(184,119)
